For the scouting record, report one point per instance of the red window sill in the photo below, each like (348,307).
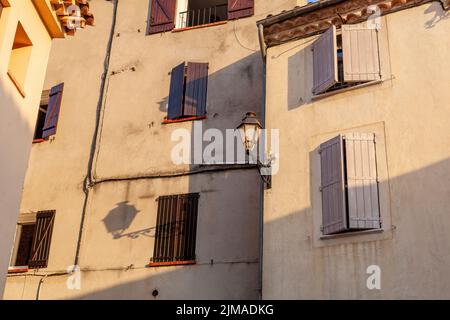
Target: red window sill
(167,121)
(13,270)
(38,140)
(200,26)
(170,263)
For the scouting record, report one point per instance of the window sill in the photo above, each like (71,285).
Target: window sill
(332,93)
(200,26)
(170,263)
(17,84)
(38,140)
(14,270)
(166,121)
(351,234)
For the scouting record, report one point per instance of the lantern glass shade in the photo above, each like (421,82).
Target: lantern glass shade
(250,131)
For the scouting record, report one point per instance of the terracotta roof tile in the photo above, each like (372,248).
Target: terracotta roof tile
(73,14)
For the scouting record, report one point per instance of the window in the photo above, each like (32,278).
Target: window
(176,229)
(48,114)
(166,14)
(33,239)
(349,184)
(20,58)
(347,59)
(188,91)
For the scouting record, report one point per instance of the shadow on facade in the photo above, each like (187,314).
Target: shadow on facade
(16,135)
(335,270)
(439,14)
(297,81)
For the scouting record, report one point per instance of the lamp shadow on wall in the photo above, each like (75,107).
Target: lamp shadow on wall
(119,220)
(439,14)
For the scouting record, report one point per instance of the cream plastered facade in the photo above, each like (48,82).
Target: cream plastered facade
(409,112)
(19,104)
(132,163)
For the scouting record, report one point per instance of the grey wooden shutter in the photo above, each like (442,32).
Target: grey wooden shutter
(325,61)
(176,228)
(332,186)
(162,16)
(53,110)
(240,8)
(42,239)
(196,89)
(361,53)
(362,182)
(176,95)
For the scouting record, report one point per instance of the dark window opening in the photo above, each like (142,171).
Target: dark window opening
(201,12)
(40,122)
(25,244)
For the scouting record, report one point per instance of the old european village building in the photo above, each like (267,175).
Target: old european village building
(27,30)
(362,106)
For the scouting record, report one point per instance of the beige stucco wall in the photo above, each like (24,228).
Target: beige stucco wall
(17,116)
(133,143)
(409,113)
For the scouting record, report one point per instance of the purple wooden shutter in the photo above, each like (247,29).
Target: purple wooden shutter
(176,95)
(334,218)
(362,182)
(361,53)
(325,61)
(53,109)
(176,228)
(162,16)
(189,212)
(160,236)
(240,9)
(196,89)
(42,239)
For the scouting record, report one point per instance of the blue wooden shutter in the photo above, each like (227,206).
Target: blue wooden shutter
(240,8)
(162,16)
(176,95)
(334,217)
(53,109)
(196,89)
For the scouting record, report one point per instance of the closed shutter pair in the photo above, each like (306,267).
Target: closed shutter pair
(349,184)
(176,228)
(53,109)
(188,91)
(360,57)
(163,13)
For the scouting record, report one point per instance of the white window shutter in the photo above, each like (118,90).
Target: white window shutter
(334,218)
(325,61)
(361,53)
(362,182)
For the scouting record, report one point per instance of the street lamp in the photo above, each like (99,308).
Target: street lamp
(250,130)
